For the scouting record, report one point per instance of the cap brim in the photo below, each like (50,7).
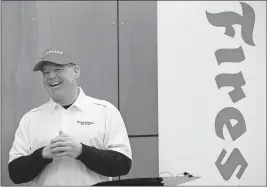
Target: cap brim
(39,65)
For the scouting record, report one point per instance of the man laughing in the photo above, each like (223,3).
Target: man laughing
(73,139)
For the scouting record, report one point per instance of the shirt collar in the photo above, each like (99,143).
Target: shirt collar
(53,105)
(79,103)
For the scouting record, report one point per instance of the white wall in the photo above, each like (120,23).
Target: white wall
(189,99)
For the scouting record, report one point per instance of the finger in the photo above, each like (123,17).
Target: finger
(58,139)
(59,150)
(59,144)
(63,134)
(62,154)
(55,153)
(54,140)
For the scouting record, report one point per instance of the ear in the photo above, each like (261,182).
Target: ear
(76,72)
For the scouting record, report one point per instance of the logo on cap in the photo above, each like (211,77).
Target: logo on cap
(51,52)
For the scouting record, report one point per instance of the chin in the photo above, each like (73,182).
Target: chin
(55,94)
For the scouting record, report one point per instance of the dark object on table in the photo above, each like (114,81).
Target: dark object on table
(156,181)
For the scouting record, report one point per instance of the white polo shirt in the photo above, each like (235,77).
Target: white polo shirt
(91,121)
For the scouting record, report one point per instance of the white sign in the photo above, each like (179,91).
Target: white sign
(212,91)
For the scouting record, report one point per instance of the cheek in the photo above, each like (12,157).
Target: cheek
(44,83)
(69,78)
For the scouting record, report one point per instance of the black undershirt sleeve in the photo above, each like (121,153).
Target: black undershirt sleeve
(26,168)
(105,162)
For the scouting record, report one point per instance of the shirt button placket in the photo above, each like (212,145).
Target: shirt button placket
(63,122)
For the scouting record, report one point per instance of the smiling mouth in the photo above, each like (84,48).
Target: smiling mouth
(55,84)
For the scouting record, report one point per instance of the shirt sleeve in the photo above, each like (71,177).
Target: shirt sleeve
(23,165)
(116,136)
(21,144)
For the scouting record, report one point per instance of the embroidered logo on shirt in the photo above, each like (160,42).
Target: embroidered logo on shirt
(86,122)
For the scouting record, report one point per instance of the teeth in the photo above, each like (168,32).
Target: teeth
(54,83)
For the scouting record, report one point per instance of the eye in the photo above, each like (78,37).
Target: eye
(45,73)
(57,70)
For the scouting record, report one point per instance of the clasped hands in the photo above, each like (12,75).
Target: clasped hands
(62,146)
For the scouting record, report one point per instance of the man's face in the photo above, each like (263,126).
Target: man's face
(59,80)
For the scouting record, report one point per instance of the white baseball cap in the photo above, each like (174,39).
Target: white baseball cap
(54,56)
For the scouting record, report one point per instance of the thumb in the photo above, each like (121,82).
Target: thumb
(62,133)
